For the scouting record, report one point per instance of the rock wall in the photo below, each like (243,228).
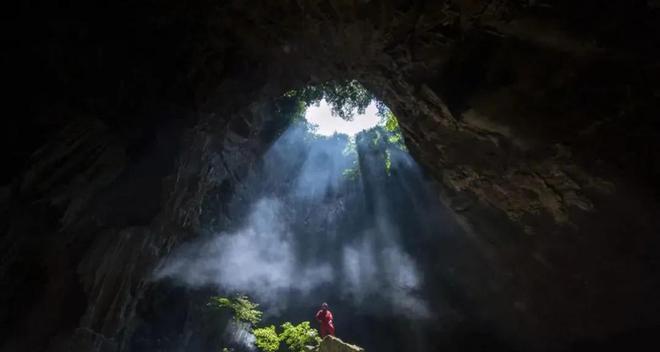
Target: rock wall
(535,118)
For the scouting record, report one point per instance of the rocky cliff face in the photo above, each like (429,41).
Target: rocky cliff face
(536,119)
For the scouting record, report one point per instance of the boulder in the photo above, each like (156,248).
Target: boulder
(333,344)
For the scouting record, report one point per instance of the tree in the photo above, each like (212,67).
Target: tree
(242,308)
(344,97)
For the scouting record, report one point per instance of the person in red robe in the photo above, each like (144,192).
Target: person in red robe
(324,317)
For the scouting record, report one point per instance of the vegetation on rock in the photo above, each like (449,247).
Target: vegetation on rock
(266,338)
(295,337)
(243,310)
(394,135)
(344,97)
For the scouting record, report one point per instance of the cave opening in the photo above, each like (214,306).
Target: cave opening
(324,123)
(526,218)
(336,210)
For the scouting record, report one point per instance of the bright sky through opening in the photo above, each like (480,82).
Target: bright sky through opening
(327,124)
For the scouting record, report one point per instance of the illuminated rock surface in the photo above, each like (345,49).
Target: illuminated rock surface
(333,344)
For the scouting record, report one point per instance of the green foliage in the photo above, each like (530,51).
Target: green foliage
(266,338)
(242,308)
(393,131)
(350,148)
(377,136)
(388,161)
(383,139)
(344,97)
(296,337)
(352,172)
(391,123)
(290,108)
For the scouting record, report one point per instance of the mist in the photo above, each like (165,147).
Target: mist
(259,260)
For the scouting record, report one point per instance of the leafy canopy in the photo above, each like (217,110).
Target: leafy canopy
(344,97)
(242,308)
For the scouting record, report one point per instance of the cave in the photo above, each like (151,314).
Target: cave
(532,149)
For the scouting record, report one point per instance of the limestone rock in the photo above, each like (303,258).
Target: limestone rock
(333,344)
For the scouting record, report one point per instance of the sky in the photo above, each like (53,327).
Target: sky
(327,124)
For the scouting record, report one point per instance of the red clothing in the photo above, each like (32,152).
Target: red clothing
(324,316)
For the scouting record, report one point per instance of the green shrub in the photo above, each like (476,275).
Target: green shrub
(296,337)
(242,308)
(266,338)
